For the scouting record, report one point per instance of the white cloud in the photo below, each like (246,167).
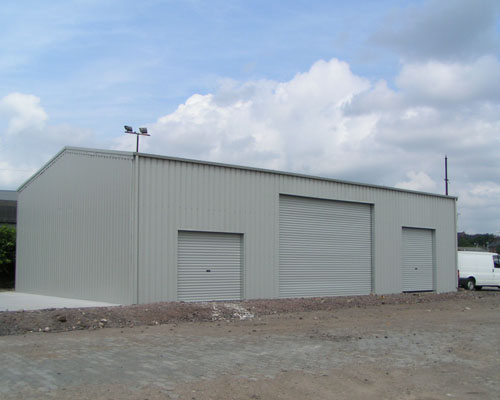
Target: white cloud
(27,140)
(478,207)
(452,82)
(296,125)
(325,121)
(23,112)
(92,62)
(484,194)
(329,121)
(418,181)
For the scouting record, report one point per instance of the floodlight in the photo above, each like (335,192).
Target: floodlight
(142,132)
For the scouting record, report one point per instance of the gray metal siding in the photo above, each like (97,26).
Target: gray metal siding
(324,247)
(183,196)
(179,195)
(418,260)
(209,266)
(75,229)
(128,209)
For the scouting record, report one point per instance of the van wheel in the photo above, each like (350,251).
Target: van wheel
(470,284)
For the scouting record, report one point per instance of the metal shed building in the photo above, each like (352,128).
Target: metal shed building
(138,228)
(8,204)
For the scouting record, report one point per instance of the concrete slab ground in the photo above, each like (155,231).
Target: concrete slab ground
(17,301)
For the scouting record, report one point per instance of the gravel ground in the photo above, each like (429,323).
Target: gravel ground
(60,320)
(409,347)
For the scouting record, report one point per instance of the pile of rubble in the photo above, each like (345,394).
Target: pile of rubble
(57,320)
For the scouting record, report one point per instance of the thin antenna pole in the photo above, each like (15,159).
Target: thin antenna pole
(446,180)
(137,144)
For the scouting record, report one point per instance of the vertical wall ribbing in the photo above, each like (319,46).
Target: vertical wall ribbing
(97,225)
(179,195)
(75,223)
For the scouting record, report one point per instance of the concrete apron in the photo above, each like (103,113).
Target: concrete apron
(17,301)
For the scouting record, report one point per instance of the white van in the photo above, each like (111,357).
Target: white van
(477,269)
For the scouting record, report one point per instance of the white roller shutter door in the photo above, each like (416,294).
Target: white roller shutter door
(418,260)
(325,247)
(209,266)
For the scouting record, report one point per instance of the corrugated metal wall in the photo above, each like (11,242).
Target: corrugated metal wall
(84,229)
(182,195)
(75,236)
(177,195)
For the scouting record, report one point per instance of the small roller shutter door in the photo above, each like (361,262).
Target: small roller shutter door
(418,260)
(209,266)
(325,247)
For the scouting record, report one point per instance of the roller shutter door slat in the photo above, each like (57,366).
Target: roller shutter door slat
(325,247)
(418,260)
(220,253)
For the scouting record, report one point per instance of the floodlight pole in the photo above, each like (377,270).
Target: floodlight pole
(142,132)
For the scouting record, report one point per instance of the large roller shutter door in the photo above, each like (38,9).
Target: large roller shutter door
(209,266)
(418,260)
(325,247)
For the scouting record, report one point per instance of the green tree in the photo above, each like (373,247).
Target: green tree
(476,240)
(7,255)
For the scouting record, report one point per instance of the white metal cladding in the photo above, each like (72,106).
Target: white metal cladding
(178,195)
(418,260)
(324,247)
(75,236)
(209,266)
(129,208)
(199,196)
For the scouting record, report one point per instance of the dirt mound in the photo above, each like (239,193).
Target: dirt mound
(66,319)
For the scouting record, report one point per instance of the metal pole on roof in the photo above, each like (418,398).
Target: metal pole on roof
(446,180)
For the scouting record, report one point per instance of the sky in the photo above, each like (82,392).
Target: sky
(368,91)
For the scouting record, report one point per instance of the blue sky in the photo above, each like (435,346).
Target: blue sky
(127,60)
(370,91)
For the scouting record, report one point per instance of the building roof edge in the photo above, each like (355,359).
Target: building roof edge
(224,165)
